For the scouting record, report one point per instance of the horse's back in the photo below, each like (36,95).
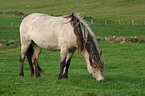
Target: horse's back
(47,31)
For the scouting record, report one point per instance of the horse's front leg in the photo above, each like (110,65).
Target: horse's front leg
(63,61)
(68,60)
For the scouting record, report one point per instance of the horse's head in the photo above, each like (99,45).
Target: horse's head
(87,44)
(96,71)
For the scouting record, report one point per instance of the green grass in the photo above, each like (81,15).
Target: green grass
(119,30)
(124,73)
(124,63)
(7,22)
(111,10)
(7,32)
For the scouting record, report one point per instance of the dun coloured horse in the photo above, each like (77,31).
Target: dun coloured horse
(65,33)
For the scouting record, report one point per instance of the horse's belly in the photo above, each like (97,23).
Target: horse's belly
(49,46)
(47,42)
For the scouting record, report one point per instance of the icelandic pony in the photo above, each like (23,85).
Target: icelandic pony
(65,33)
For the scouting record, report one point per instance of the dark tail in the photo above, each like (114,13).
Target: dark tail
(29,57)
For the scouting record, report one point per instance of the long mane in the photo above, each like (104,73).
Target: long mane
(86,40)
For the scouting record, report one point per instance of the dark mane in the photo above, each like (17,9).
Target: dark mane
(86,40)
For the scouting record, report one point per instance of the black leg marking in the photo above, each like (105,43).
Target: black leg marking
(37,72)
(65,75)
(62,64)
(36,69)
(21,66)
(39,69)
(29,57)
(31,65)
(21,70)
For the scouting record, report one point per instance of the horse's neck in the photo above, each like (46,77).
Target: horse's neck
(86,56)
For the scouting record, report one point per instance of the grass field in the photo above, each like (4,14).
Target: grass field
(124,73)
(124,63)
(111,10)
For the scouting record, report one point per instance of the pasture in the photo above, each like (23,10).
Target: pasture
(124,63)
(124,73)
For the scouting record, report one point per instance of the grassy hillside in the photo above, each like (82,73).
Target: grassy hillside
(117,13)
(9,29)
(111,10)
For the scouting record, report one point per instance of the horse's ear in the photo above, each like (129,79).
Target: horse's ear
(101,53)
(69,15)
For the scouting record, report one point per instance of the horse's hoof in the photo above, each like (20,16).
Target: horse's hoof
(65,76)
(37,75)
(32,74)
(21,75)
(59,77)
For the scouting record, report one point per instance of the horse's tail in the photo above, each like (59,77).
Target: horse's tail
(29,57)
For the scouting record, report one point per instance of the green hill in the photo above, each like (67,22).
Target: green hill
(119,15)
(114,11)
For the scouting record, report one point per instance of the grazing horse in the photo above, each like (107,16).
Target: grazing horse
(65,33)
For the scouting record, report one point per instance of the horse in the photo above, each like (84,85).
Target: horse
(65,34)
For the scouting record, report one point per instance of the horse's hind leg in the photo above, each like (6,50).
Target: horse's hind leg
(35,56)
(29,57)
(68,60)
(24,48)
